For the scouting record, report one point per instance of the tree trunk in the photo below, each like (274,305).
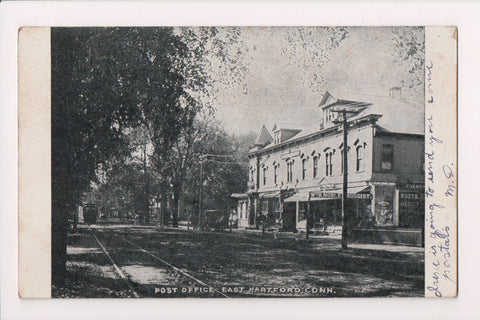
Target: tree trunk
(176,199)
(163,206)
(59,244)
(146,210)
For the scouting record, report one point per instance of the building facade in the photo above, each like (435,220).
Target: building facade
(295,168)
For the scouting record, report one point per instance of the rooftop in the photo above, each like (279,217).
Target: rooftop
(398,115)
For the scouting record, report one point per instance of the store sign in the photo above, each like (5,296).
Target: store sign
(364,196)
(325,195)
(333,195)
(412,200)
(411,196)
(413,186)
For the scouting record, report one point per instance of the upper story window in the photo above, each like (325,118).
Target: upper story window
(329,163)
(276,138)
(304,169)
(289,171)
(387,157)
(315,166)
(265,176)
(360,154)
(275,174)
(329,115)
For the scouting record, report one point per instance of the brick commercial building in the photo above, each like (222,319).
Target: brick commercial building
(293,167)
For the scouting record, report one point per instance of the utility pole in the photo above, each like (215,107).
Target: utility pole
(345,214)
(307,218)
(345,219)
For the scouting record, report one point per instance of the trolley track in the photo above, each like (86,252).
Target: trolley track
(126,277)
(152,258)
(118,270)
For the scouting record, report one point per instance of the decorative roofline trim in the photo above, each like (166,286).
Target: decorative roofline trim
(336,129)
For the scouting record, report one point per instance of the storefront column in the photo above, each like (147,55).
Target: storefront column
(280,206)
(373,202)
(251,211)
(255,211)
(396,206)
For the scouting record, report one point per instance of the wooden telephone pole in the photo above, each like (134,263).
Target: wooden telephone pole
(345,213)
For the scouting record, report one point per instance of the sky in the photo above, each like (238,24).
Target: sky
(289,70)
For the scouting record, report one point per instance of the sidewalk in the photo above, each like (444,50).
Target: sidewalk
(317,239)
(385,247)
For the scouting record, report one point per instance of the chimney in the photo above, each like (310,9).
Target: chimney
(395,92)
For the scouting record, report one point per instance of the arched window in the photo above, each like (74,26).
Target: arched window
(329,163)
(265,176)
(289,171)
(315,166)
(360,159)
(304,169)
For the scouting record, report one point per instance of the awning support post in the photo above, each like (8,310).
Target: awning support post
(307,218)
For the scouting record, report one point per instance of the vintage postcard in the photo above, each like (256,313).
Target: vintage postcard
(237,162)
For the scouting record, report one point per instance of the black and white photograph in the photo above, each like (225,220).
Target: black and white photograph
(301,158)
(237,162)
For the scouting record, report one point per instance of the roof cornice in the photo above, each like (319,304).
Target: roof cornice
(363,121)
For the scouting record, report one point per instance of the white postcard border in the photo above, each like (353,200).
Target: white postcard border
(441,162)
(464,15)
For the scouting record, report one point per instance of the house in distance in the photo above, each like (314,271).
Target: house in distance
(291,166)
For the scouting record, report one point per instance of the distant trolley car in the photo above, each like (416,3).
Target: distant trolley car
(90,213)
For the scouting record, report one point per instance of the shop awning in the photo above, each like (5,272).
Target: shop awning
(299,196)
(353,193)
(270,195)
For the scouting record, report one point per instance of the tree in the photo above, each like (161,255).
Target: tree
(123,189)
(173,163)
(409,44)
(309,49)
(206,49)
(224,169)
(105,81)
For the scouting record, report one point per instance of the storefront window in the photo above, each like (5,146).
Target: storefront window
(265,206)
(302,211)
(412,208)
(362,209)
(384,205)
